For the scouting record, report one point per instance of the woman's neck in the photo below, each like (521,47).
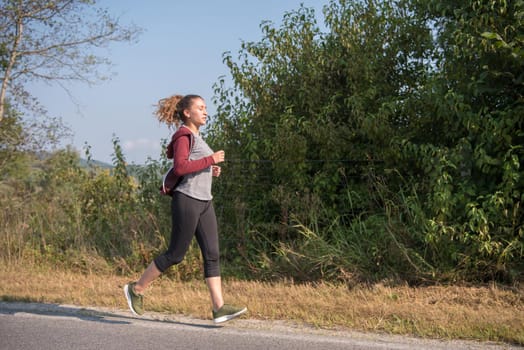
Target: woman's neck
(192,127)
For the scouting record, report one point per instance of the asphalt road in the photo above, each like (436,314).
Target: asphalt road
(25,326)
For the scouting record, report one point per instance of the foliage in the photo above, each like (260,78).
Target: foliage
(387,147)
(12,139)
(468,137)
(87,219)
(417,98)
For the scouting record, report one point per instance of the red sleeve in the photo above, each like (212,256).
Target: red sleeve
(181,163)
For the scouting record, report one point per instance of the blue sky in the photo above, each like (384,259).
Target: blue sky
(180,51)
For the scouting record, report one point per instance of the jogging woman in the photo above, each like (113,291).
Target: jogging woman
(192,209)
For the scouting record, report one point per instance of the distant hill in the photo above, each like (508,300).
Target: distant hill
(96,163)
(132,169)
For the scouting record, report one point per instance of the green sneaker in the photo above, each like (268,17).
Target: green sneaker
(227,312)
(134,300)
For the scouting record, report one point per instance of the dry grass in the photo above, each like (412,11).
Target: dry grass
(481,313)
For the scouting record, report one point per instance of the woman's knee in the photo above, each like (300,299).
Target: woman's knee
(165,261)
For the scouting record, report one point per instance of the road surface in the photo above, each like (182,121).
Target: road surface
(25,326)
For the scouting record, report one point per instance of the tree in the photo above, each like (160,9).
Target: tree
(467,139)
(53,41)
(305,96)
(434,89)
(12,139)
(320,109)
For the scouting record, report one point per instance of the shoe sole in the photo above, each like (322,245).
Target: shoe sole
(229,317)
(128,298)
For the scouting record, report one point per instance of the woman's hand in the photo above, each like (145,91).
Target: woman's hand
(218,157)
(216,170)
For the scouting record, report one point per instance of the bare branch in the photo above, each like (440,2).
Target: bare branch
(55,41)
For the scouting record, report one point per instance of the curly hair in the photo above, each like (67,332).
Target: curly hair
(170,110)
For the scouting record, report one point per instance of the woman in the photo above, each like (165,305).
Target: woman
(191,207)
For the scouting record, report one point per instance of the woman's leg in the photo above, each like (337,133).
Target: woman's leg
(207,237)
(150,274)
(185,213)
(214,284)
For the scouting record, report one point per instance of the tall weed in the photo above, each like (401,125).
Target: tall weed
(87,219)
(370,246)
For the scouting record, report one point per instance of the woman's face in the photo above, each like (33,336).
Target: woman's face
(197,113)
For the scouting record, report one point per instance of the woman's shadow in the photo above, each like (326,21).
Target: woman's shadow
(23,305)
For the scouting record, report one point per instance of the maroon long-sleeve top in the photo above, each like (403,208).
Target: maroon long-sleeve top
(179,150)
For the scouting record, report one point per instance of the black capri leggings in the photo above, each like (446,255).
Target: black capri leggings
(192,217)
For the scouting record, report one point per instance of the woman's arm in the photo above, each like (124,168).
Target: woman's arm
(181,163)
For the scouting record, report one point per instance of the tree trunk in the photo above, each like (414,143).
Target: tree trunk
(12,60)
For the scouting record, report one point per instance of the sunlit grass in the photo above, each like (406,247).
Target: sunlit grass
(448,312)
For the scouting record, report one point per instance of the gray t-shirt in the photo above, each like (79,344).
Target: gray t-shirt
(198,185)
